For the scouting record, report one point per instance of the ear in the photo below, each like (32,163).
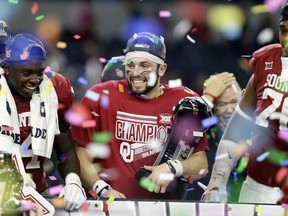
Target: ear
(162,69)
(6,68)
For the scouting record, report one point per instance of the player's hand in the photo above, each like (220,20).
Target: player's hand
(73,193)
(161,176)
(219,82)
(112,192)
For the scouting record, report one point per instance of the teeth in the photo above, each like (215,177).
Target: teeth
(31,88)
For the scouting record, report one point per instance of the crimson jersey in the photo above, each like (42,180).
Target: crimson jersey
(33,163)
(271,98)
(135,122)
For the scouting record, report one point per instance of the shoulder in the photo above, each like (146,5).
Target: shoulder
(268,50)
(110,87)
(181,90)
(64,91)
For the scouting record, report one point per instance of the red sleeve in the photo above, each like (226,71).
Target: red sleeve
(90,111)
(65,93)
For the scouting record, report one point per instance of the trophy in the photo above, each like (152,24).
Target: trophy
(184,136)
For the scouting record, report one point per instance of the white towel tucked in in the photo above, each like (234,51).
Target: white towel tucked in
(44,117)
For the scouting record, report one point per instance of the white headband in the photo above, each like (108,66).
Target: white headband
(142,54)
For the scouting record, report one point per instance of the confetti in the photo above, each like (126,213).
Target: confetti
(202,171)
(190,189)
(55,190)
(89,124)
(102,60)
(6,128)
(98,150)
(147,184)
(102,137)
(197,134)
(25,147)
(52,178)
(221,156)
(166,176)
(105,207)
(258,209)
(190,39)
(94,96)
(82,81)
(281,174)
(34,8)
(164,13)
(182,144)
(111,199)
(259,9)
(63,157)
(76,36)
(175,83)
(40,17)
(85,206)
(262,157)
(92,193)
(104,101)
(207,122)
(285,206)
(242,165)
(61,45)
(13,1)
(27,205)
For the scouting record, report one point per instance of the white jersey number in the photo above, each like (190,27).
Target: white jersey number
(25,152)
(269,112)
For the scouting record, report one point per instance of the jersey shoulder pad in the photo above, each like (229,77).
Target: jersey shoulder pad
(64,91)
(267,50)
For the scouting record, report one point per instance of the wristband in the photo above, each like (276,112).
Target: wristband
(72,178)
(175,167)
(100,187)
(211,95)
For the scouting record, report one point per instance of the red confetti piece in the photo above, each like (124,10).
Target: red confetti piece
(92,193)
(191,179)
(76,36)
(105,207)
(4,128)
(88,123)
(85,206)
(34,8)
(281,174)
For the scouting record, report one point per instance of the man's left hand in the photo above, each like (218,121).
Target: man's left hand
(74,194)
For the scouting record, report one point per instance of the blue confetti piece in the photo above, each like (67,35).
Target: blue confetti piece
(190,189)
(25,148)
(284,163)
(262,157)
(209,121)
(82,81)
(94,96)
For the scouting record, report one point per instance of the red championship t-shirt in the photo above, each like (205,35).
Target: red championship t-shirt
(32,163)
(134,123)
(271,98)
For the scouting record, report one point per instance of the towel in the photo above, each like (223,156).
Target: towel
(44,117)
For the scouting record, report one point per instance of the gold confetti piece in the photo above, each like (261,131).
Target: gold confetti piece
(61,45)
(121,88)
(258,209)
(111,199)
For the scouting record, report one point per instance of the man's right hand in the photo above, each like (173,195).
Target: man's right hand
(112,192)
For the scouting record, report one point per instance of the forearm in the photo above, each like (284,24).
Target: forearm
(69,162)
(89,173)
(196,165)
